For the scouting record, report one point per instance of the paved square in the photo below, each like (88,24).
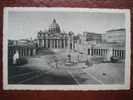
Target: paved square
(50,68)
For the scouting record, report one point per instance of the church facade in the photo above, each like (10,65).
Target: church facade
(55,38)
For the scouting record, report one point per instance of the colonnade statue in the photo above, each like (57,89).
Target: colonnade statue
(15,57)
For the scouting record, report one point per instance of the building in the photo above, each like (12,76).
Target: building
(12,42)
(54,37)
(107,50)
(115,35)
(91,36)
(24,47)
(112,43)
(86,40)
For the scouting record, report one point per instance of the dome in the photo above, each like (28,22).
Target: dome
(54,27)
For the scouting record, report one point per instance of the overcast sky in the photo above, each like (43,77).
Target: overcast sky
(27,24)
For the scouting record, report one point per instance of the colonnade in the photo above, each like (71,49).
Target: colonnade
(104,52)
(97,51)
(23,51)
(52,43)
(118,53)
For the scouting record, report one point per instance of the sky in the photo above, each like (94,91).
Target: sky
(26,24)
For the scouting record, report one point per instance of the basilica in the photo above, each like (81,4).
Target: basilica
(53,37)
(112,42)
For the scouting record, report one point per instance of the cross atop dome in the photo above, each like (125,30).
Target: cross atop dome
(54,21)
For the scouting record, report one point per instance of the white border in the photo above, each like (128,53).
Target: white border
(125,86)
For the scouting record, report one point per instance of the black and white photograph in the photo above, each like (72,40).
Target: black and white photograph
(66,48)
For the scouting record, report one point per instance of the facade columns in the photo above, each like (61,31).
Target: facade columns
(60,43)
(56,43)
(68,43)
(50,43)
(65,43)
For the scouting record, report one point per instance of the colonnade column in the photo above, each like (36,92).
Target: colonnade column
(43,43)
(46,45)
(91,51)
(68,44)
(22,52)
(64,43)
(60,43)
(50,43)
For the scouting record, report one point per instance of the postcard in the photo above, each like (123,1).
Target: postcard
(66,48)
